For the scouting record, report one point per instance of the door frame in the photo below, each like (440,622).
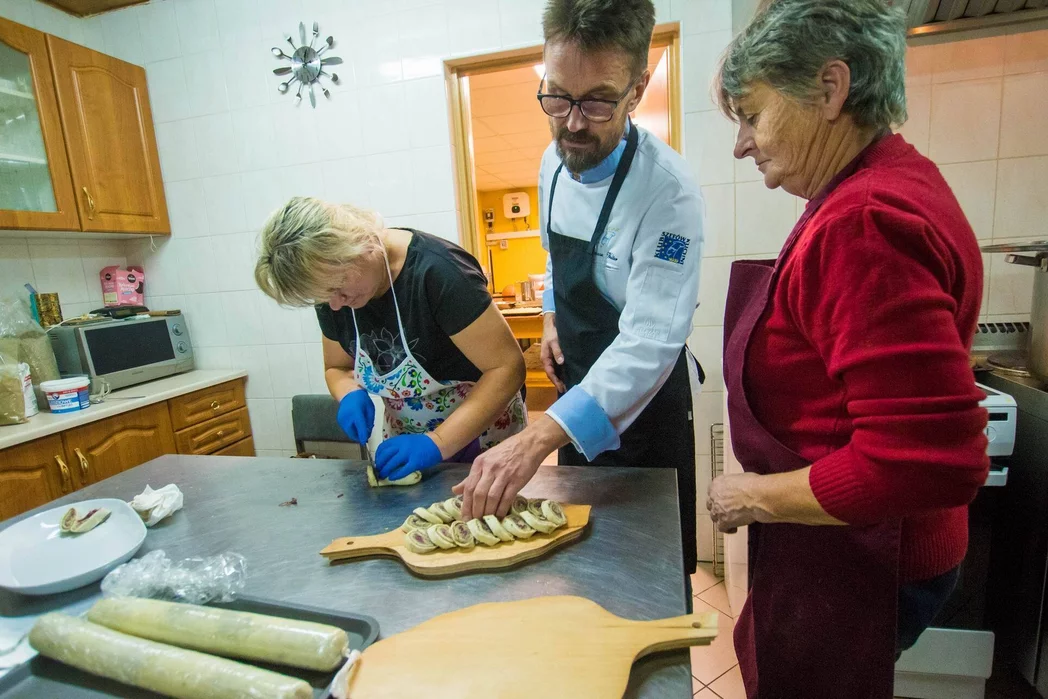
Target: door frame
(456,74)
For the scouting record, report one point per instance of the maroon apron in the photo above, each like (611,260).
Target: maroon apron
(820,619)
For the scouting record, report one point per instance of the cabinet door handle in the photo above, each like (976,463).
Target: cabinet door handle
(83,461)
(90,203)
(67,479)
(215,405)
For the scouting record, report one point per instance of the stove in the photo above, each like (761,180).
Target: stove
(1016,599)
(1002,348)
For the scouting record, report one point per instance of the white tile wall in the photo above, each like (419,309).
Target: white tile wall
(719,228)
(243,318)
(1025,102)
(197,25)
(977,108)
(763,218)
(700,56)
(255,361)
(713,291)
(918,127)
(159,22)
(59,271)
(186,209)
(423,40)
(968,60)
(168,96)
(520,22)
(975,186)
(701,16)
(966,119)
(67,267)
(263,419)
(287,368)
(212,358)
(1025,53)
(709,141)
(1022,204)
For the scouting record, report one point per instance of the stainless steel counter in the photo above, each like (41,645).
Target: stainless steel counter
(629,561)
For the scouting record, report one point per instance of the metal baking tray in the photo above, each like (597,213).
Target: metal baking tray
(43,677)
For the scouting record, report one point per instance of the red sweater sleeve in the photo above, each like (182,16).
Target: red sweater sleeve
(873,296)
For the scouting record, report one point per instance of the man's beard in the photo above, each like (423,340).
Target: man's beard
(580,161)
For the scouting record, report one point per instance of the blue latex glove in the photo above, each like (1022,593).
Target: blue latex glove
(356,415)
(400,456)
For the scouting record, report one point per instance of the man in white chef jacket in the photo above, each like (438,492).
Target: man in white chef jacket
(621,218)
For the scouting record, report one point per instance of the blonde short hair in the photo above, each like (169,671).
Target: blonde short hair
(307,240)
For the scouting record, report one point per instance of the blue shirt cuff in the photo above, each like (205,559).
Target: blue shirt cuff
(547,301)
(585,422)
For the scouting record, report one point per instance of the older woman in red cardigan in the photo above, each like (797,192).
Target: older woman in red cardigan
(850,399)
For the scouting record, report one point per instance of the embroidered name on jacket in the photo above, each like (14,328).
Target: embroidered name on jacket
(672,248)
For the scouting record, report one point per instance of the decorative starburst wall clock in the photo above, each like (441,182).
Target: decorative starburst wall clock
(307,64)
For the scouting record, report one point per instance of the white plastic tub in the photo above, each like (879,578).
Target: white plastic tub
(67,395)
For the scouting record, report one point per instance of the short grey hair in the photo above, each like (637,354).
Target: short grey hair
(596,25)
(789,42)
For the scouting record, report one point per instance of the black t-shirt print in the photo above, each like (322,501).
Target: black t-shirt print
(441,291)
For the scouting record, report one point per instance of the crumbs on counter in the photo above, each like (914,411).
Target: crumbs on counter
(340,495)
(289,503)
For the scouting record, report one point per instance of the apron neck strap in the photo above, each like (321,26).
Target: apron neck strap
(396,306)
(616,184)
(621,171)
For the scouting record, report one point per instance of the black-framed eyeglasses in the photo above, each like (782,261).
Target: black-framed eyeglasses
(595,110)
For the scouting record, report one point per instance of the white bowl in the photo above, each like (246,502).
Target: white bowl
(36,558)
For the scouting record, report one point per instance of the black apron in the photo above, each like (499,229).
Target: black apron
(587,323)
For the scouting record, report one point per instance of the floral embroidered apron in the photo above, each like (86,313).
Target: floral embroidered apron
(417,403)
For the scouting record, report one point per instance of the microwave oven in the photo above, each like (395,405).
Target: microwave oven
(124,352)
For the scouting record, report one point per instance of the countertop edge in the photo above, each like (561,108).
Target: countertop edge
(46,424)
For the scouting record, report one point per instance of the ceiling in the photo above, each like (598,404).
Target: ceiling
(510,131)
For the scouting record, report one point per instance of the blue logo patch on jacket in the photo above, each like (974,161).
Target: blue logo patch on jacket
(672,248)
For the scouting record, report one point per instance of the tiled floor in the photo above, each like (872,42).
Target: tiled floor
(714,668)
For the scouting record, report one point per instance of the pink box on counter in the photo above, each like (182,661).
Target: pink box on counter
(123,287)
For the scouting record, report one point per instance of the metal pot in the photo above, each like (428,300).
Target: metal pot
(1038,260)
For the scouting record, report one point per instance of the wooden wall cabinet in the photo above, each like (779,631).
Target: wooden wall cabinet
(110,140)
(37,472)
(84,8)
(36,189)
(84,155)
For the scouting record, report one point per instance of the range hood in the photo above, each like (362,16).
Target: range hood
(936,21)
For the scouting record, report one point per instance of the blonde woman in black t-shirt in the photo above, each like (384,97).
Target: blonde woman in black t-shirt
(405,316)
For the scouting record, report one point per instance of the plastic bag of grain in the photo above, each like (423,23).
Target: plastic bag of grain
(18,329)
(17,400)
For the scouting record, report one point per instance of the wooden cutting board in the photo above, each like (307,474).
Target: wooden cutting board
(542,647)
(452,561)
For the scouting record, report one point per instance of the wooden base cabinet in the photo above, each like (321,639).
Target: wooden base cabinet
(34,474)
(211,421)
(105,448)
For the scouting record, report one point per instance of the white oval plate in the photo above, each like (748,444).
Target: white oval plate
(36,558)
